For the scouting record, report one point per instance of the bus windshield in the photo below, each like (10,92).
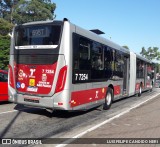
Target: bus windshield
(37,35)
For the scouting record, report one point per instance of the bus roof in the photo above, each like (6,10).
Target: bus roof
(41,22)
(98,38)
(144,59)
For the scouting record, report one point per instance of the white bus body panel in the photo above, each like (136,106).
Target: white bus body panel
(132,74)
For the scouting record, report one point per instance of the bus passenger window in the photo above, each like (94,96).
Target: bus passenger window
(140,69)
(76,66)
(118,65)
(108,62)
(97,56)
(97,63)
(84,54)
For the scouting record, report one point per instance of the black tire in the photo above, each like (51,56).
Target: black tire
(140,90)
(108,99)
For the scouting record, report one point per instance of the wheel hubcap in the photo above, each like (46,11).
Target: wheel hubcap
(109,97)
(140,90)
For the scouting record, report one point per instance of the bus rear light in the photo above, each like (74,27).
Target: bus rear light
(11,80)
(61,79)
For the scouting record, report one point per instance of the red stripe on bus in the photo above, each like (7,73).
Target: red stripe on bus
(117,90)
(137,86)
(87,96)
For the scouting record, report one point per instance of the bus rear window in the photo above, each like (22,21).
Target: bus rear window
(37,35)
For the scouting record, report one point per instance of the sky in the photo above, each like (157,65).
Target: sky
(135,23)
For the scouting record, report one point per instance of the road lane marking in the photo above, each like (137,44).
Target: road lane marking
(69,141)
(12,111)
(8,112)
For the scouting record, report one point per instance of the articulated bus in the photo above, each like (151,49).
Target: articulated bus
(58,65)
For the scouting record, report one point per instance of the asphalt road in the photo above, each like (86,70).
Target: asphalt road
(18,121)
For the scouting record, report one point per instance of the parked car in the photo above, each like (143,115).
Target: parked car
(3,85)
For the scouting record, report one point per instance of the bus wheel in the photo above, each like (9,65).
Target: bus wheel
(140,90)
(108,99)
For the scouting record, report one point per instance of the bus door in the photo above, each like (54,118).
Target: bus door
(146,77)
(125,75)
(149,77)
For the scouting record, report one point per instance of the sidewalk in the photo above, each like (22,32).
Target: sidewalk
(142,122)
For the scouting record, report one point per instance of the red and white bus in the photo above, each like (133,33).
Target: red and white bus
(58,65)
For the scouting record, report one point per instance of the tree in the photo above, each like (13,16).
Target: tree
(143,52)
(150,53)
(6,9)
(5,28)
(125,46)
(33,10)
